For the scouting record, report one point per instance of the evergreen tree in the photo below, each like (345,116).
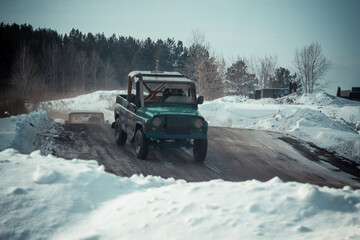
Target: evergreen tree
(282,78)
(241,82)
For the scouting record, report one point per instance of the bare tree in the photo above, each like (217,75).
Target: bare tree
(95,64)
(311,66)
(198,52)
(27,78)
(24,70)
(51,57)
(108,73)
(70,58)
(209,83)
(207,73)
(266,70)
(82,67)
(37,92)
(221,63)
(263,68)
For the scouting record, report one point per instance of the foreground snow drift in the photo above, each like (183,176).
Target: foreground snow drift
(20,132)
(48,197)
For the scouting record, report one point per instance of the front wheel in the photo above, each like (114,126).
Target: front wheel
(200,149)
(141,144)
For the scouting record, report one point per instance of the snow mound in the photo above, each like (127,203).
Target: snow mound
(85,202)
(44,175)
(17,191)
(299,119)
(20,132)
(315,99)
(327,121)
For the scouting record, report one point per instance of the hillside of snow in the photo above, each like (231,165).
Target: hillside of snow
(327,121)
(45,197)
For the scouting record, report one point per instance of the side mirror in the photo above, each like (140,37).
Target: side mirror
(200,100)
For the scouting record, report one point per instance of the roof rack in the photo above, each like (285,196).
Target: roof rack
(155,76)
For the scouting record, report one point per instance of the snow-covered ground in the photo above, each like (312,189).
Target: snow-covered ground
(45,197)
(327,121)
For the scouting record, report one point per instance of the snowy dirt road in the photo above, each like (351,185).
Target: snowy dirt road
(233,155)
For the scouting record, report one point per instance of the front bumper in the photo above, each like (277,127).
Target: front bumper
(174,137)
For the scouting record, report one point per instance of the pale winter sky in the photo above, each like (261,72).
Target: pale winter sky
(248,28)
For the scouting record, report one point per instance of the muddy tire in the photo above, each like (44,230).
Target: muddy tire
(141,144)
(200,149)
(120,135)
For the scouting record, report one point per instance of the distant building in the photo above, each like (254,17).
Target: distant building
(353,94)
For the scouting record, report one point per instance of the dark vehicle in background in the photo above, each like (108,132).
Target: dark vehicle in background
(269,93)
(160,109)
(353,94)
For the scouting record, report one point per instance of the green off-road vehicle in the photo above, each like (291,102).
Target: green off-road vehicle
(160,109)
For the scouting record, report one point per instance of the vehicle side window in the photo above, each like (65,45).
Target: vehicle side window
(137,98)
(132,98)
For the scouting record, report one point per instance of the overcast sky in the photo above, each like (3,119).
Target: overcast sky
(248,28)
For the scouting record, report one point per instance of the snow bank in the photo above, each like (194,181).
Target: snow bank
(103,101)
(327,121)
(317,99)
(84,202)
(20,132)
(44,197)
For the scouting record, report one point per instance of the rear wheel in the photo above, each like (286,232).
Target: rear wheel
(200,149)
(120,135)
(141,144)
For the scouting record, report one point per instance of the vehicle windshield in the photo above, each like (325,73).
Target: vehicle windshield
(179,93)
(86,117)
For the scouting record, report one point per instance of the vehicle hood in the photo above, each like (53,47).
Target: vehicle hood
(156,110)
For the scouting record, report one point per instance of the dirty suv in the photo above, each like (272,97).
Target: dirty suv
(160,109)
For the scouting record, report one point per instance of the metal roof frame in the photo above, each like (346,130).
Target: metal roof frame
(152,76)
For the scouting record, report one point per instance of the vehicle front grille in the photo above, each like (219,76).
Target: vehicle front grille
(178,125)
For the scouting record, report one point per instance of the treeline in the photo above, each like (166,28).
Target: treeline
(38,61)
(43,59)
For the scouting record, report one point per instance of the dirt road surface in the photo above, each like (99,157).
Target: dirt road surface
(233,155)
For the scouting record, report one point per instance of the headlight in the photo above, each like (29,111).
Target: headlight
(199,123)
(156,121)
